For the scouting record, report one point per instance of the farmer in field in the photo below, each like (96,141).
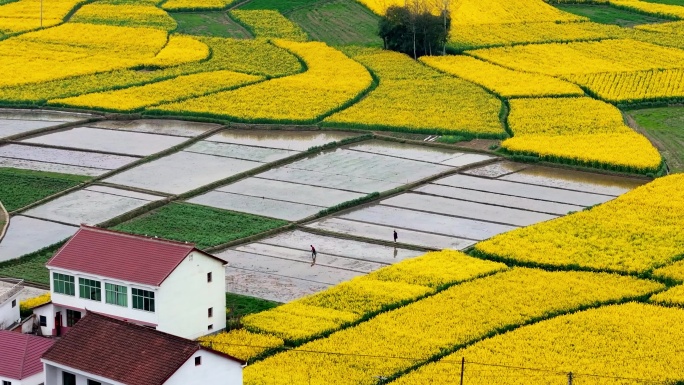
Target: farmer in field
(395,236)
(313,255)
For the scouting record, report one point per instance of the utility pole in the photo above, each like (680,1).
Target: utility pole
(463,368)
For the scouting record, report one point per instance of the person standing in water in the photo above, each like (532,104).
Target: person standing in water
(395,236)
(313,255)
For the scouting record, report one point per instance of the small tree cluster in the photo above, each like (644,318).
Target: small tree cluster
(414,30)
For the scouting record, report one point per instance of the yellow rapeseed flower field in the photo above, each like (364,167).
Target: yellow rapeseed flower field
(128,15)
(584,57)
(331,81)
(487,11)
(189,5)
(269,24)
(672,11)
(617,87)
(674,271)
(87,48)
(30,303)
(630,341)
(436,269)
(416,98)
(388,287)
(24,15)
(578,131)
(634,233)
(492,35)
(296,321)
(502,81)
(673,296)
(461,314)
(255,57)
(363,295)
(179,50)
(182,87)
(675,27)
(241,343)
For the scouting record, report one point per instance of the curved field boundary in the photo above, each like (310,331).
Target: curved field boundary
(4,221)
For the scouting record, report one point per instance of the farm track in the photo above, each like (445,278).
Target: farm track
(4,221)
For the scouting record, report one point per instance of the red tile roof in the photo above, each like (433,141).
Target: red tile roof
(123,256)
(122,351)
(21,354)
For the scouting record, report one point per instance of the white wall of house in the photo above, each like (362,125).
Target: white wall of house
(35,379)
(9,314)
(182,302)
(185,298)
(48,312)
(76,302)
(53,375)
(214,370)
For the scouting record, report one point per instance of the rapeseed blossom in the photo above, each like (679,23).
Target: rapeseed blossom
(634,233)
(502,81)
(630,341)
(412,97)
(241,343)
(461,314)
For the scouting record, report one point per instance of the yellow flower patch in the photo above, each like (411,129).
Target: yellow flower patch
(634,233)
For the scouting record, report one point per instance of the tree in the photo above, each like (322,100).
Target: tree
(414,30)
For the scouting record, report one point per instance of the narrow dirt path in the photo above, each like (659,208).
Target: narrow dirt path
(4,221)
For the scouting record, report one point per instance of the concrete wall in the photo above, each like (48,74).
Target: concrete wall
(214,370)
(49,313)
(185,297)
(8,313)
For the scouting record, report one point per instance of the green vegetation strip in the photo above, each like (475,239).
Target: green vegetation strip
(238,306)
(30,267)
(204,226)
(606,14)
(19,188)
(338,22)
(665,127)
(281,6)
(215,24)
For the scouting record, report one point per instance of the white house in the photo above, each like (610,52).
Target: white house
(20,358)
(9,302)
(101,350)
(170,286)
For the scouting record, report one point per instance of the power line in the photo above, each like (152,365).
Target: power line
(447,361)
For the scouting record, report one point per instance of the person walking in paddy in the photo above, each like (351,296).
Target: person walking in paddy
(395,236)
(313,255)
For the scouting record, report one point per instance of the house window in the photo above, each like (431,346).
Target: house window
(198,360)
(63,284)
(68,378)
(143,300)
(208,277)
(116,294)
(73,316)
(211,312)
(43,320)
(91,382)
(6,383)
(14,303)
(89,289)
(210,327)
